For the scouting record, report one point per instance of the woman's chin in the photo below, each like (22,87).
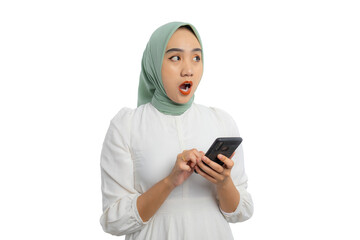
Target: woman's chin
(182,99)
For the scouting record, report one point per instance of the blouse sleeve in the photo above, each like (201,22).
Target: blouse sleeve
(120,215)
(245,208)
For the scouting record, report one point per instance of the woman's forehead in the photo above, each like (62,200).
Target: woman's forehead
(183,38)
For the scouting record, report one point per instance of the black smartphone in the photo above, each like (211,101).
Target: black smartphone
(225,146)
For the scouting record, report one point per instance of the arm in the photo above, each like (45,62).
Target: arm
(120,215)
(234,201)
(228,195)
(245,207)
(150,201)
(125,210)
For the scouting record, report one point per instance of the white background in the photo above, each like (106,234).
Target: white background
(287,71)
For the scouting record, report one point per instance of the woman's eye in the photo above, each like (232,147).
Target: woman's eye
(175,58)
(196,59)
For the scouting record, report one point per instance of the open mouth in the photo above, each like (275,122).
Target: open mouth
(185,87)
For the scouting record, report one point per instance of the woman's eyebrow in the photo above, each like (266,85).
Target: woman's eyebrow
(181,50)
(197,49)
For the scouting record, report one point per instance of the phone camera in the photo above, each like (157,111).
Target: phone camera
(225,148)
(219,146)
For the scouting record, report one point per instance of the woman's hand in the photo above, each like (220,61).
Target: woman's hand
(216,173)
(184,166)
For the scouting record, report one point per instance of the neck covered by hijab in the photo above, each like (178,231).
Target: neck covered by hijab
(151,88)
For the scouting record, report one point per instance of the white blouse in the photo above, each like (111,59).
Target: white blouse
(140,149)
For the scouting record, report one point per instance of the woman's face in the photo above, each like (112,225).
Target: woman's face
(182,66)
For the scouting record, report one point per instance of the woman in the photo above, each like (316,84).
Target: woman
(150,153)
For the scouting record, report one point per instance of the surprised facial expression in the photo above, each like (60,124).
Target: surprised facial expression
(182,66)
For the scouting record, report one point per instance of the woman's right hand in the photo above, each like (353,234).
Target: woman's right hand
(184,166)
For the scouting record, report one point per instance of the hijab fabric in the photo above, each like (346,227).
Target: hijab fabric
(151,88)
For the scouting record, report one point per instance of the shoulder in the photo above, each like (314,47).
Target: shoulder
(124,116)
(222,116)
(222,113)
(218,112)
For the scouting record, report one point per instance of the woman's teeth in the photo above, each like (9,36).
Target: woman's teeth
(185,88)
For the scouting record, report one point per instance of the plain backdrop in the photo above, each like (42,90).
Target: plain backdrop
(287,71)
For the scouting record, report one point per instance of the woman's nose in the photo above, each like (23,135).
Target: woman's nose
(187,70)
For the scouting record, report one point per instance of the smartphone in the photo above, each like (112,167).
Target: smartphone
(225,146)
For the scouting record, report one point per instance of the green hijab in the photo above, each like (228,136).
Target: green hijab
(151,88)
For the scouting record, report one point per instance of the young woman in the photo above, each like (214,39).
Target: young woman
(150,189)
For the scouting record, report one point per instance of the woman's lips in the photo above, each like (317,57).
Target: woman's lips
(185,87)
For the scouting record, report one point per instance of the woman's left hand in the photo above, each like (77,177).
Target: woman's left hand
(216,173)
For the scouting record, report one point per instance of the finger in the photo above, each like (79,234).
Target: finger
(185,167)
(213,164)
(209,170)
(186,157)
(232,155)
(197,154)
(191,164)
(182,157)
(192,158)
(202,173)
(227,161)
